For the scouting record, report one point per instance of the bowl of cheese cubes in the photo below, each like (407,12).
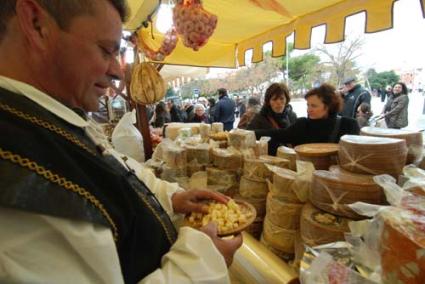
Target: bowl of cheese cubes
(231,218)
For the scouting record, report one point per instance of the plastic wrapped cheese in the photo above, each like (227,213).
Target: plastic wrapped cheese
(414,140)
(283,214)
(242,139)
(333,190)
(289,154)
(279,238)
(372,155)
(253,188)
(318,227)
(322,155)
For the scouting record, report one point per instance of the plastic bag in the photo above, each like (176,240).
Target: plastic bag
(127,139)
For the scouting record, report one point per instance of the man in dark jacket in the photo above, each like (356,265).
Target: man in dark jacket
(355,94)
(225,110)
(175,114)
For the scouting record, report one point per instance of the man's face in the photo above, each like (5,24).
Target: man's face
(82,61)
(349,86)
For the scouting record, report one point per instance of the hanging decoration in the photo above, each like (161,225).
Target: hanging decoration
(193,24)
(167,46)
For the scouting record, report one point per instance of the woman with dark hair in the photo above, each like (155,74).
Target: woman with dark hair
(364,113)
(161,115)
(276,112)
(322,124)
(395,110)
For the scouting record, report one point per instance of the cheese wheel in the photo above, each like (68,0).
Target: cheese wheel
(414,140)
(221,177)
(275,161)
(172,129)
(288,154)
(204,130)
(372,155)
(200,153)
(258,203)
(242,139)
(256,170)
(285,185)
(253,188)
(333,190)
(322,155)
(318,227)
(217,127)
(174,157)
(283,214)
(279,238)
(227,160)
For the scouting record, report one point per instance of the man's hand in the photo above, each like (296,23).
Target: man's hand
(190,201)
(227,247)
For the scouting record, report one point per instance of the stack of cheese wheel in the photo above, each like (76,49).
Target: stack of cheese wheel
(285,186)
(279,238)
(253,188)
(413,140)
(372,155)
(283,255)
(318,227)
(283,214)
(290,155)
(333,190)
(322,155)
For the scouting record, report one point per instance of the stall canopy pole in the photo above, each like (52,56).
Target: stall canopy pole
(143,126)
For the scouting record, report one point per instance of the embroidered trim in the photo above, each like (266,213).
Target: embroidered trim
(61,181)
(47,126)
(167,232)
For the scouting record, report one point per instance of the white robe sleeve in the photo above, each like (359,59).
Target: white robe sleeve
(37,248)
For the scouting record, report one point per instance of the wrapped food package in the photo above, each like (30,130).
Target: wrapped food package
(372,155)
(200,153)
(293,187)
(318,227)
(253,188)
(333,190)
(217,127)
(279,238)
(289,154)
(242,139)
(414,140)
(322,155)
(226,159)
(283,214)
(174,156)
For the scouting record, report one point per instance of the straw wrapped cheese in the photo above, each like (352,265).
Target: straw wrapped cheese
(372,155)
(242,139)
(283,214)
(279,238)
(253,188)
(288,154)
(333,190)
(275,161)
(174,156)
(226,159)
(322,155)
(286,185)
(256,170)
(318,227)
(414,141)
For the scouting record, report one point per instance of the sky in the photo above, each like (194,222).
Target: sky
(399,48)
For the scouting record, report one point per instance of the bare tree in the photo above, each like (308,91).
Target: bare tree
(340,60)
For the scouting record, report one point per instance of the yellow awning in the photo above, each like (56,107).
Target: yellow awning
(249,24)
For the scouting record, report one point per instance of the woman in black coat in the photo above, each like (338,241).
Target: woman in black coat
(322,124)
(276,112)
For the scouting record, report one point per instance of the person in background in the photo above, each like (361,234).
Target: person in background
(387,93)
(395,110)
(364,113)
(276,112)
(200,115)
(225,110)
(161,115)
(321,126)
(240,107)
(175,113)
(188,112)
(253,108)
(354,95)
(72,209)
(211,109)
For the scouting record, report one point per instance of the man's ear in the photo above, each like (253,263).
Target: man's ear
(35,23)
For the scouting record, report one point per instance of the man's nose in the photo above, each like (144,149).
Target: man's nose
(115,71)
